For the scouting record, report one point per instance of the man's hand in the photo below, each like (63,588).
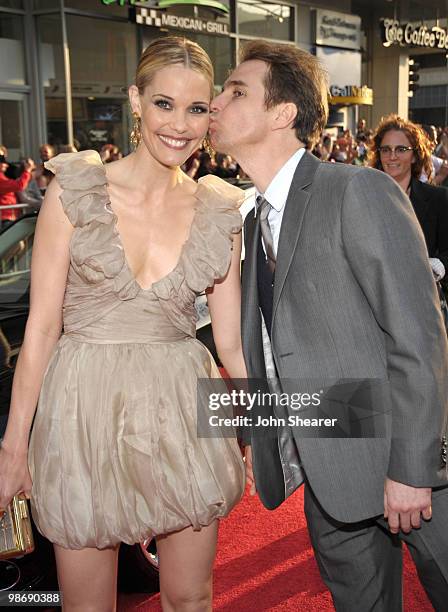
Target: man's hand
(249,470)
(403,506)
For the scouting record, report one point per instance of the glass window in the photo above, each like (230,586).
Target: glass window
(46,4)
(103,58)
(17,4)
(12,64)
(221,50)
(198,12)
(110,7)
(11,125)
(265,20)
(343,66)
(51,62)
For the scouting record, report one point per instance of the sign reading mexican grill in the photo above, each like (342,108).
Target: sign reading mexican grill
(157,18)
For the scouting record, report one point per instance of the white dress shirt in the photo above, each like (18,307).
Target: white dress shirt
(277,194)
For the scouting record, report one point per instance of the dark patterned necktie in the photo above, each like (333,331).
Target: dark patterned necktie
(263,209)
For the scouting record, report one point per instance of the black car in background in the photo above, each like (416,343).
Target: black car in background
(138,566)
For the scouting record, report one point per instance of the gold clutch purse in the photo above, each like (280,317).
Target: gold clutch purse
(16,534)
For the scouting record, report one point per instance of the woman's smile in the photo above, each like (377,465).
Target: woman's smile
(174,143)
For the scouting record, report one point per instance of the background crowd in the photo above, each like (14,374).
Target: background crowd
(23,184)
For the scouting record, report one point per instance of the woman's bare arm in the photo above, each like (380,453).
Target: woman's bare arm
(49,267)
(224,301)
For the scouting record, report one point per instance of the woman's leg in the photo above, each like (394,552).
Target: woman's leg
(87,578)
(186,564)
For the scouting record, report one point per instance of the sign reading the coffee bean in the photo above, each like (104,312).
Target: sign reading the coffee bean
(413,35)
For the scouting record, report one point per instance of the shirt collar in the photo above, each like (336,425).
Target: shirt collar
(277,192)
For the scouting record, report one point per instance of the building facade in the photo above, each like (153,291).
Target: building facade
(66,64)
(399,35)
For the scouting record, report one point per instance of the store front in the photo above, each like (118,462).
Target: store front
(14,83)
(404,40)
(66,64)
(68,83)
(426,45)
(103,55)
(209,27)
(338,45)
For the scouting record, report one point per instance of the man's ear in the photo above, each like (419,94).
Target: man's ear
(285,115)
(134,99)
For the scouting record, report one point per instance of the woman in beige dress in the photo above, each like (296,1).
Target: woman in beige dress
(120,253)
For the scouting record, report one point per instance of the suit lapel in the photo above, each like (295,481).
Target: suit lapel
(295,207)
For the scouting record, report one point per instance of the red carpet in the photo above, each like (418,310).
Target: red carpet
(265,562)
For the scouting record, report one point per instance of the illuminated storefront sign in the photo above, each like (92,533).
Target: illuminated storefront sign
(156,18)
(338,30)
(351,94)
(214,4)
(413,35)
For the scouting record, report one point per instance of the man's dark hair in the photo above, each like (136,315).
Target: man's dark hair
(295,76)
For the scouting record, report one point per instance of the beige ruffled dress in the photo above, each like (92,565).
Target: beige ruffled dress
(114,451)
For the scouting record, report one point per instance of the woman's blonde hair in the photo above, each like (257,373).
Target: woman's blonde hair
(169,51)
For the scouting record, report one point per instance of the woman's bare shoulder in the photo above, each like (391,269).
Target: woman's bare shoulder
(119,171)
(187,185)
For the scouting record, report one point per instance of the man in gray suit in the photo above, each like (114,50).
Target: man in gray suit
(337,274)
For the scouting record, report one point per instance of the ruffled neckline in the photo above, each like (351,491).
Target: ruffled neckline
(97,249)
(202,194)
(164,278)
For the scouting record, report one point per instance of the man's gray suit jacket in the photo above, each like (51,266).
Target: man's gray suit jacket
(354,298)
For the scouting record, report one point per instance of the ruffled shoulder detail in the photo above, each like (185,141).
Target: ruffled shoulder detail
(85,167)
(96,250)
(81,175)
(218,194)
(207,253)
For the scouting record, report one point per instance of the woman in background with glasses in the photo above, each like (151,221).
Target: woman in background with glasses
(402,150)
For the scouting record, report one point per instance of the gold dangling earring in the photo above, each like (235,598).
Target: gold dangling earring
(206,144)
(136,133)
